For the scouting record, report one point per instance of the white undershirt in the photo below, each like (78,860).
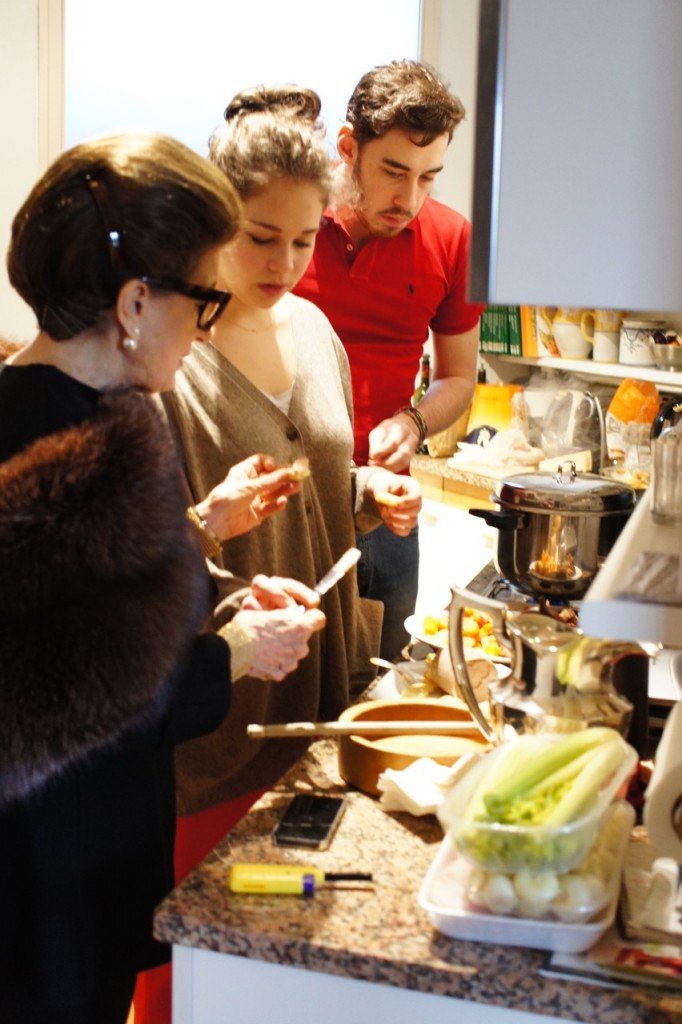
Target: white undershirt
(282,400)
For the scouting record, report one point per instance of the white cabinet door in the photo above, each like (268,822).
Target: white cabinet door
(579,146)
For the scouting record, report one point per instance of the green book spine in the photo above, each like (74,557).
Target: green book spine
(514,330)
(494,331)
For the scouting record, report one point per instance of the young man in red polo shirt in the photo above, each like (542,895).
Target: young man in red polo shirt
(390,263)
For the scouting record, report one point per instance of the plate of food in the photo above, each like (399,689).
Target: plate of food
(478,637)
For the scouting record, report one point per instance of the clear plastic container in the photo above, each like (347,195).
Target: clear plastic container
(443,896)
(509,848)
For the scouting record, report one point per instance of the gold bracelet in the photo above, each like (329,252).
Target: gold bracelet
(241,648)
(209,541)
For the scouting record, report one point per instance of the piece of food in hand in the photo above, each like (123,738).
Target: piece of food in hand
(388,499)
(300,468)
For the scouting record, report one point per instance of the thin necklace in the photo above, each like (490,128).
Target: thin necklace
(253,330)
(250,330)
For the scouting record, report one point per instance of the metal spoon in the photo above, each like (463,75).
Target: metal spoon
(407,676)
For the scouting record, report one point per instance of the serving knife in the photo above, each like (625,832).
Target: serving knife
(337,571)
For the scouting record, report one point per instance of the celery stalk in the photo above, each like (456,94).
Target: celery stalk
(506,764)
(564,774)
(550,760)
(583,792)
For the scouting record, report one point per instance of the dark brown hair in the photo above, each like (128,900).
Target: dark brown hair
(404,94)
(272,132)
(170,205)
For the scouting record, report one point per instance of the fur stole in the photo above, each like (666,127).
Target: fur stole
(102,587)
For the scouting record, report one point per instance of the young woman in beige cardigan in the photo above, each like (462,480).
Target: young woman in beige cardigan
(275,379)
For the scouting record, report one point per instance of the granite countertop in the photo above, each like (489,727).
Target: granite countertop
(380,935)
(440,467)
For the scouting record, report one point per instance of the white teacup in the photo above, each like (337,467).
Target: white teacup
(571,342)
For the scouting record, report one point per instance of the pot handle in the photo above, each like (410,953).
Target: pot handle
(502,518)
(666,415)
(461,599)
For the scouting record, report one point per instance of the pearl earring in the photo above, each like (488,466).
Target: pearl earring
(129,344)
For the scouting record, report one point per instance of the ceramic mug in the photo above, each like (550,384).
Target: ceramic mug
(606,346)
(633,349)
(607,320)
(568,334)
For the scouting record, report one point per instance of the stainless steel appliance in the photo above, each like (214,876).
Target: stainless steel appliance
(556,529)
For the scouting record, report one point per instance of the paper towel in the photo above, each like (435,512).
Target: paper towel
(664,791)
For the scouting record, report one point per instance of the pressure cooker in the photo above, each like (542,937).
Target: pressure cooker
(556,529)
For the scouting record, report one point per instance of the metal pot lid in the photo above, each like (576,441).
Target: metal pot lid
(565,491)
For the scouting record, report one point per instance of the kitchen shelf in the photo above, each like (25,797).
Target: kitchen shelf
(665,380)
(603,614)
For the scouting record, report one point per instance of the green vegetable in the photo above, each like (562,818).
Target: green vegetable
(521,812)
(582,792)
(539,767)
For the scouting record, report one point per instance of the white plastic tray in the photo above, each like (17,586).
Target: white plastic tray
(442,897)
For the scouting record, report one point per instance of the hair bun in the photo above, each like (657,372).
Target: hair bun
(292,100)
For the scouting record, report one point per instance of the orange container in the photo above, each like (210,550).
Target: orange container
(491,406)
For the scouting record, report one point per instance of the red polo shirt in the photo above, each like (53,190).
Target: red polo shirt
(382,300)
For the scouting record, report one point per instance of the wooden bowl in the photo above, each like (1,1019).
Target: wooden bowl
(362,759)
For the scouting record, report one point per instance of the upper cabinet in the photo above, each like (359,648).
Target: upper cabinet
(577,196)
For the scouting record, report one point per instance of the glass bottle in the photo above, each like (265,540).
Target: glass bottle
(421,389)
(424,379)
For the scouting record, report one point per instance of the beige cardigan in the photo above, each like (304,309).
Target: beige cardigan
(221,418)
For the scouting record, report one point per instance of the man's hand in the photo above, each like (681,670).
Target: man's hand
(393,443)
(398,498)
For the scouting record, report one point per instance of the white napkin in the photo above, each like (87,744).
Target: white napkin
(659,910)
(419,788)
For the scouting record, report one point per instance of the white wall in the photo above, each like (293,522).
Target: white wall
(451,44)
(20,149)
(31,128)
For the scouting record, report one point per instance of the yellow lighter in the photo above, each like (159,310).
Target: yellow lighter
(283,879)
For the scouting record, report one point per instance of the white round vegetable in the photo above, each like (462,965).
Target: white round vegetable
(535,890)
(498,894)
(581,897)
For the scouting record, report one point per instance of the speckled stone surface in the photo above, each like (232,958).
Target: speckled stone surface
(380,935)
(440,467)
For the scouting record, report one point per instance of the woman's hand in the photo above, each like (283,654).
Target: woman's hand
(268,592)
(278,638)
(252,491)
(398,499)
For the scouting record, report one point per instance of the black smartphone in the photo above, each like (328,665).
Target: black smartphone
(309,820)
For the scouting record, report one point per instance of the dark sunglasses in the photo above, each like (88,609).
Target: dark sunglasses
(210,302)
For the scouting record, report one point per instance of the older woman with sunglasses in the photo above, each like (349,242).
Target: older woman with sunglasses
(103,587)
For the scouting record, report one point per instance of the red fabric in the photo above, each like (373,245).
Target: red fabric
(196,835)
(382,300)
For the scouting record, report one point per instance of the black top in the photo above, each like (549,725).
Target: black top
(39,400)
(85,860)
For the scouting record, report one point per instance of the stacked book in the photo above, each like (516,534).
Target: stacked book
(513,331)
